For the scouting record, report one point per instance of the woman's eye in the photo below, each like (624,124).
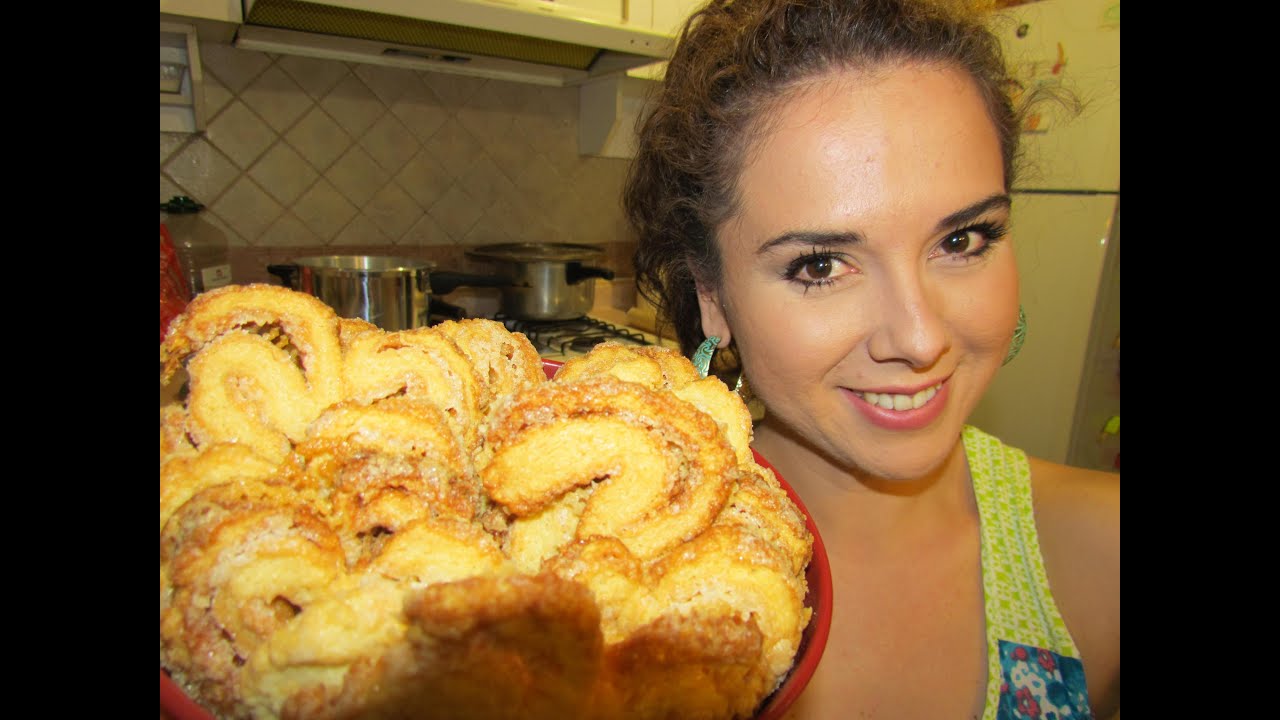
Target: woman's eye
(961,242)
(971,242)
(816,269)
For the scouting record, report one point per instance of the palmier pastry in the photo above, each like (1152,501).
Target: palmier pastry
(663,368)
(418,363)
(660,468)
(728,567)
(505,360)
(760,506)
(245,389)
(401,426)
(356,523)
(686,664)
(523,647)
(651,365)
(185,474)
(241,560)
(174,439)
(300,322)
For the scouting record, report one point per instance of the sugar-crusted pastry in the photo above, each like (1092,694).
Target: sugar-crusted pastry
(357,523)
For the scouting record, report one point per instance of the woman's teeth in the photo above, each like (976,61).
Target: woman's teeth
(892,401)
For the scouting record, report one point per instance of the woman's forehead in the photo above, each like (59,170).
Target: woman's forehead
(854,144)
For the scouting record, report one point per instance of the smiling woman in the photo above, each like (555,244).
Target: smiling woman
(823,189)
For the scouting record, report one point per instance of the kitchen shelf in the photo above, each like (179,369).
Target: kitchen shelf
(182,111)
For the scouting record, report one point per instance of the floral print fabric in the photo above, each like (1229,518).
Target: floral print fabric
(1039,684)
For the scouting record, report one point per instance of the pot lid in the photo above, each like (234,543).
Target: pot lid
(364,263)
(537,252)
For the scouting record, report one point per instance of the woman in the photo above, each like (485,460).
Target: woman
(824,187)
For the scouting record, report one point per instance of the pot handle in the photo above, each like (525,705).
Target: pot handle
(287,272)
(443,283)
(575,272)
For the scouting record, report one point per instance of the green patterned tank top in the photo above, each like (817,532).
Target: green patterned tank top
(1034,667)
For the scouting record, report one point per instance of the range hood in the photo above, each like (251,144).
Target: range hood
(547,42)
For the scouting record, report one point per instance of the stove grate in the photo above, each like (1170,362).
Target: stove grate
(569,337)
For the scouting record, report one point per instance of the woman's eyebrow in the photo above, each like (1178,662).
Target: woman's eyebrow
(973,212)
(839,239)
(811,239)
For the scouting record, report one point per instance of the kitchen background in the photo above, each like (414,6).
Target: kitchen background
(302,156)
(306,156)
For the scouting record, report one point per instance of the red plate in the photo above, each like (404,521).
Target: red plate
(176,705)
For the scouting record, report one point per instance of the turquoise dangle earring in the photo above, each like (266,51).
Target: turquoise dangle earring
(702,360)
(702,356)
(1019,336)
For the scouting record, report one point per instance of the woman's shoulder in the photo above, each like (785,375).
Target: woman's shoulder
(1078,523)
(1076,500)
(1077,515)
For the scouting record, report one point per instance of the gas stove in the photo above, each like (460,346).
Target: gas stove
(554,339)
(567,338)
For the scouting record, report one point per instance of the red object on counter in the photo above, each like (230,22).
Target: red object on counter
(173,288)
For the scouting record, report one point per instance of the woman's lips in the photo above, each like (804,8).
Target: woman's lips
(901,411)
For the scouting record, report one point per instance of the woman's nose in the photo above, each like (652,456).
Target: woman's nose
(911,329)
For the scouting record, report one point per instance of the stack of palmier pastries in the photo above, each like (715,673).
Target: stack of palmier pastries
(358,523)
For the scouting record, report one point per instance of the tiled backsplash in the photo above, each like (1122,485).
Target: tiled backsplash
(304,156)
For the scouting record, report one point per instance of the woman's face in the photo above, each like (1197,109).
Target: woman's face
(868,280)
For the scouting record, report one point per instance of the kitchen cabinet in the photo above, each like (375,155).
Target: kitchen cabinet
(610,107)
(184,24)
(181,79)
(608,110)
(669,15)
(213,20)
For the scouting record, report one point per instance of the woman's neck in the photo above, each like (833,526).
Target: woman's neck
(836,493)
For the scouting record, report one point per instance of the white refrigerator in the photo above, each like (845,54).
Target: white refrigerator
(1060,398)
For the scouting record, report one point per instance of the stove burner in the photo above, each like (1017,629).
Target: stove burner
(570,337)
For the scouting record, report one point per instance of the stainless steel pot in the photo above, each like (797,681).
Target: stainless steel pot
(390,292)
(548,280)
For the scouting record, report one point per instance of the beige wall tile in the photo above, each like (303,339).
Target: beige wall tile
(201,170)
(511,153)
(240,134)
(288,231)
(357,176)
(324,210)
(454,90)
(233,67)
(490,228)
(453,147)
(283,173)
(388,83)
(276,98)
(426,232)
(392,210)
(168,189)
(353,105)
(315,77)
(456,212)
(362,234)
(319,139)
(486,182)
(421,110)
(170,142)
(424,178)
(248,209)
(389,143)
(216,96)
(307,156)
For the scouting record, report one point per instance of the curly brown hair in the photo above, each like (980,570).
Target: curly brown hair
(735,61)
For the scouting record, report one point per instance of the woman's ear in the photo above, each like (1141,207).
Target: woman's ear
(713,319)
